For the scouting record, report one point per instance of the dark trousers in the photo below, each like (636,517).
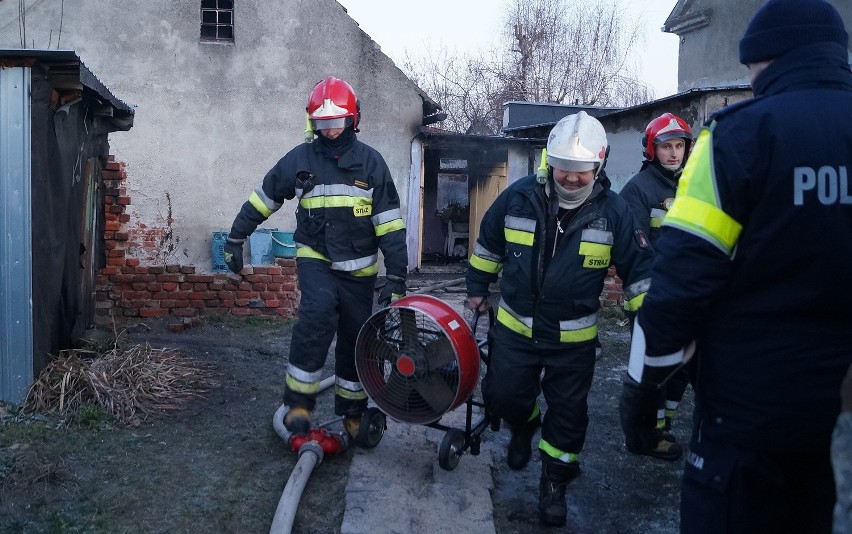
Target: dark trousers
(332,303)
(513,382)
(727,489)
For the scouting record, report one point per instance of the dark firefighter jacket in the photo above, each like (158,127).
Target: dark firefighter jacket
(754,263)
(650,193)
(555,299)
(348,207)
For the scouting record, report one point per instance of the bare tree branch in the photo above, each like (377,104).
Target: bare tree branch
(553,51)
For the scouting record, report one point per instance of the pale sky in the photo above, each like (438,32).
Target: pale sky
(474,24)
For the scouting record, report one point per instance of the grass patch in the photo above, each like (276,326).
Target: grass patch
(92,416)
(124,383)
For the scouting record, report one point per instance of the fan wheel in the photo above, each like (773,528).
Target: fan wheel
(417,359)
(452,447)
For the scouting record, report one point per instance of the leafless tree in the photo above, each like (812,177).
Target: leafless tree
(555,51)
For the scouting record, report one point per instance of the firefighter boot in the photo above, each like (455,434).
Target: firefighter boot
(667,428)
(520,444)
(298,420)
(555,476)
(352,424)
(667,448)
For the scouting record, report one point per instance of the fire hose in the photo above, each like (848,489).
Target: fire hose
(311,448)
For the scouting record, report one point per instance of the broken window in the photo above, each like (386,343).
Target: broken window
(217,20)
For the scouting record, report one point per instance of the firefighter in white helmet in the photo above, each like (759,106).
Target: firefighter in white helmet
(553,235)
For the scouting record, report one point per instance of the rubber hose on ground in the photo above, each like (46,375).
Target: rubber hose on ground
(310,455)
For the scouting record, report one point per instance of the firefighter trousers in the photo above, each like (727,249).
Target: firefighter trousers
(514,381)
(332,302)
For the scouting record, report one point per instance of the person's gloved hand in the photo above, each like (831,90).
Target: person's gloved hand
(477,302)
(394,290)
(637,410)
(234,254)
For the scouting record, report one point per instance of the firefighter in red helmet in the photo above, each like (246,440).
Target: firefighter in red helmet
(348,210)
(665,147)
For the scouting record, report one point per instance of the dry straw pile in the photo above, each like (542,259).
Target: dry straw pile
(130,383)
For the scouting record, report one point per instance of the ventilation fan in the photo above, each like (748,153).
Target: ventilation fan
(417,359)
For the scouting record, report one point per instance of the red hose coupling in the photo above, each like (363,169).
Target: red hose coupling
(329,442)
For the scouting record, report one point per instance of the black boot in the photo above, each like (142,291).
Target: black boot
(555,476)
(520,445)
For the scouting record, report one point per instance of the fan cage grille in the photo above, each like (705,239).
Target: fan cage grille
(436,384)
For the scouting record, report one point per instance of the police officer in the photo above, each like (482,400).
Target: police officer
(553,239)
(348,209)
(665,148)
(760,229)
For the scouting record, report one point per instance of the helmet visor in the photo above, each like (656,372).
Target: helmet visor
(671,135)
(326,124)
(570,164)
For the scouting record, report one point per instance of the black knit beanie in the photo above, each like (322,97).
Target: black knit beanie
(783,25)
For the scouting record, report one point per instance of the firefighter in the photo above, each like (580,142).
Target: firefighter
(553,237)
(650,193)
(348,209)
(746,273)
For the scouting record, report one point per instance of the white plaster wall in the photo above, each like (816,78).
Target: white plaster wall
(709,55)
(211,119)
(625,156)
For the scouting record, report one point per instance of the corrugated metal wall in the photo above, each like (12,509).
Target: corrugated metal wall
(16,303)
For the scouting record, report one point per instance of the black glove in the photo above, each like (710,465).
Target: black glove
(394,290)
(234,254)
(638,413)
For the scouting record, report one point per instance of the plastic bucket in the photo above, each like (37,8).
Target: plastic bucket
(283,245)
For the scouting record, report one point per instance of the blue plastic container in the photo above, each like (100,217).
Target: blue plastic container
(218,250)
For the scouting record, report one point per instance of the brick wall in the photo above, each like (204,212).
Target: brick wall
(612,294)
(127,289)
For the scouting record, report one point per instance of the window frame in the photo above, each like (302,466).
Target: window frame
(218,31)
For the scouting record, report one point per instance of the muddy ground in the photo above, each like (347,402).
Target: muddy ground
(216,465)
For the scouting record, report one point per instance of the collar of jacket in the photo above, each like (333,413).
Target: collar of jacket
(670,178)
(811,66)
(347,156)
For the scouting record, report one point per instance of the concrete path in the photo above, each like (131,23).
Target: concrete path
(398,487)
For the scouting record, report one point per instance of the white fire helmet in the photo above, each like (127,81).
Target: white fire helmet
(577,143)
